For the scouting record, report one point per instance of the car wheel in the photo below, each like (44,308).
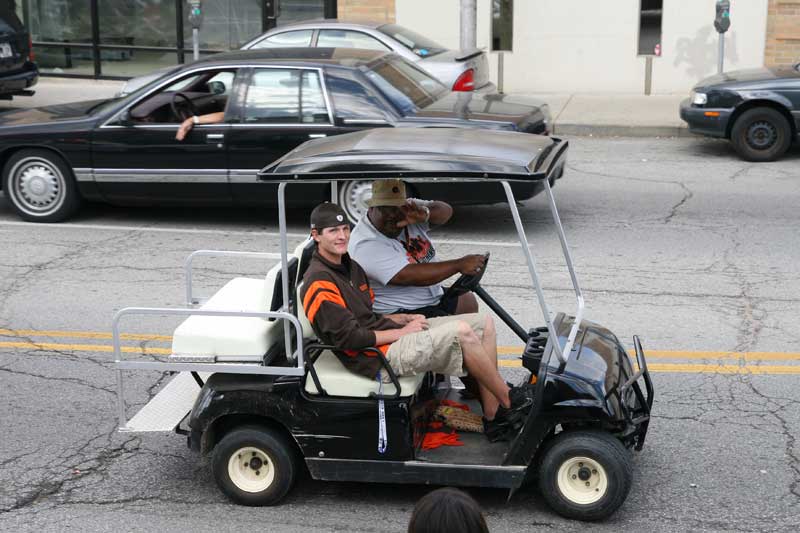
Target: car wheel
(353,197)
(761,134)
(585,475)
(40,186)
(254,466)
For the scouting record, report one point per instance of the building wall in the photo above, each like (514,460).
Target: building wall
(366,10)
(595,51)
(783,33)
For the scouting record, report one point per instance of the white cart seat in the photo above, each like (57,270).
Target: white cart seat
(231,336)
(337,380)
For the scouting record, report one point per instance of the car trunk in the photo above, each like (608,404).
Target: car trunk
(467,59)
(14,43)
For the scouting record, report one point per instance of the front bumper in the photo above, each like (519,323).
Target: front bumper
(702,124)
(20,80)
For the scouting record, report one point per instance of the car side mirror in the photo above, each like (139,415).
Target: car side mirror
(216,87)
(125,118)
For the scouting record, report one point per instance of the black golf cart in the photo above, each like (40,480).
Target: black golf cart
(256,390)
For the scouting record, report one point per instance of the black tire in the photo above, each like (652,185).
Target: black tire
(595,454)
(270,470)
(761,134)
(40,186)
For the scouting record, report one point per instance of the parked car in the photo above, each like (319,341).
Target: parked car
(18,72)
(460,70)
(124,151)
(758,110)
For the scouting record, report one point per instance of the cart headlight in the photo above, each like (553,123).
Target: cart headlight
(699,98)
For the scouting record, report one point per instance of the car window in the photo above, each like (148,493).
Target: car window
(285,96)
(407,86)
(353,100)
(349,39)
(419,44)
(208,92)
(285,39)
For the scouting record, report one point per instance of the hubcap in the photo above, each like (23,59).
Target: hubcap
(355,196)
(37,186)
(762,135)
(582,480)
(251,470)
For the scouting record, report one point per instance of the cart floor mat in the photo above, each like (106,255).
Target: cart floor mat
(477,450)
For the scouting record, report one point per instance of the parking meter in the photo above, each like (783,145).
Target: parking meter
(723,19)
(195,19)
(721,23)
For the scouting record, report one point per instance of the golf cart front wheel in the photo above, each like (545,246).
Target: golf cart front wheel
(585,475)
(254,466)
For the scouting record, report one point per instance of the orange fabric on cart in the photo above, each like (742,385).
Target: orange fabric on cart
(437,439)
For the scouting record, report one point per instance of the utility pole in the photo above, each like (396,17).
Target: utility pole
(469,24)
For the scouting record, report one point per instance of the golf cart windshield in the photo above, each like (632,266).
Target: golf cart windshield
(439,154)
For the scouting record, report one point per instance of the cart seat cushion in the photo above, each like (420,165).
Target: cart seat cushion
(217,335)
(337,380)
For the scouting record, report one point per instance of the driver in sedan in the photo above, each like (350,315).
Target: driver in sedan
(391,243)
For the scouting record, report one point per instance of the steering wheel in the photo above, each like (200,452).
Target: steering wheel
(466,282)
(185,109)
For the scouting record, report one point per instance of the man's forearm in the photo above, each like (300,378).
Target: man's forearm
(387,336)
(424,274)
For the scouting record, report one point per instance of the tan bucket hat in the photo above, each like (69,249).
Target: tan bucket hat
(387,192)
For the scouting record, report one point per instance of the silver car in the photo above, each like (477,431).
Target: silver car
(459,70)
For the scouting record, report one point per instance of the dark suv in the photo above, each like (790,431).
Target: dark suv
(18,72)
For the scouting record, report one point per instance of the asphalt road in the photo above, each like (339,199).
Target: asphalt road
(677,241)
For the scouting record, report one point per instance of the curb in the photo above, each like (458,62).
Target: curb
(611,130)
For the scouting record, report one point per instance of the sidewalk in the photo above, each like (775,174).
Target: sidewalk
(602,115)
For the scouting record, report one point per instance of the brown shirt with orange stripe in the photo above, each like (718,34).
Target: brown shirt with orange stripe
(338,300)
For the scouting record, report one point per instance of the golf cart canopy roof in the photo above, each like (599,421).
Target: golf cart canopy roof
(460,154)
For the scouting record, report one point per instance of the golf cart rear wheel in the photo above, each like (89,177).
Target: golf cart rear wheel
(254,466)
(761,134)
(585,475)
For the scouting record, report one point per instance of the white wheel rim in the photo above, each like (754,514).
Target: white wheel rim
(251,470)
(37,186)
(582,480)
(354,197)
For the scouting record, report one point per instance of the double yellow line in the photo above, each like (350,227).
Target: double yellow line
(709,362)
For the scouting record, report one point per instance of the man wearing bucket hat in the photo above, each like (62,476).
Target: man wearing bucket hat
(337,300)
(391,242)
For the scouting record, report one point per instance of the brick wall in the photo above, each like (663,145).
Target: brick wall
(366,10)
(783,32)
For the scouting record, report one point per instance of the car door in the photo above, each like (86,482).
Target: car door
(137,158)
(279,108)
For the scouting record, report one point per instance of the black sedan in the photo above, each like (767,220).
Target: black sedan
(758,110)
(124,150)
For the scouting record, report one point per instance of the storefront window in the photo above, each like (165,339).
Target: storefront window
(66,41)
(60,21)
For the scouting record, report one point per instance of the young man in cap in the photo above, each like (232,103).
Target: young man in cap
(337,300)
(391,242)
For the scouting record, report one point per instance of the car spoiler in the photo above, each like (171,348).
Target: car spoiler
(468,53)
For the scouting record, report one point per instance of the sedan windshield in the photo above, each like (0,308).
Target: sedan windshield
(407,86)
(419,44)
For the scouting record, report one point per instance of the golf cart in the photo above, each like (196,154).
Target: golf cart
(255,389)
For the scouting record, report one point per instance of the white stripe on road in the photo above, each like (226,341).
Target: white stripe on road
(196,231)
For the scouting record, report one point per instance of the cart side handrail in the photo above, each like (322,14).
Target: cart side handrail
(223,368)
(187,265)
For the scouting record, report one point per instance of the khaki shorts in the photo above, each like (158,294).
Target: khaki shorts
(435,349)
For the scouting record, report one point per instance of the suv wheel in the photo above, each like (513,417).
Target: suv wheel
(585,475)
(40,186)
(761,134)
(254,466)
